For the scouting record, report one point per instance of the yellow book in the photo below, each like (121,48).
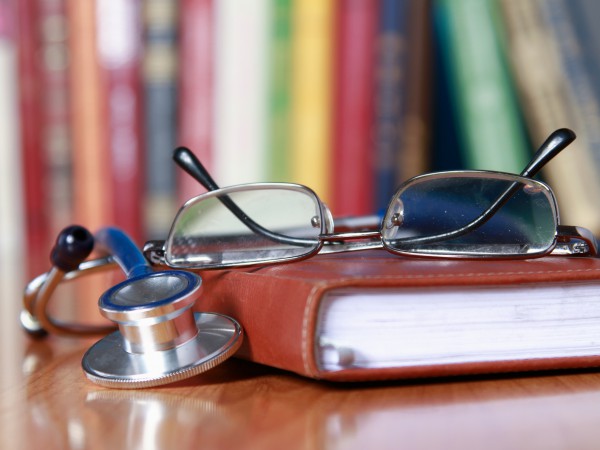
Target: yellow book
(312,63)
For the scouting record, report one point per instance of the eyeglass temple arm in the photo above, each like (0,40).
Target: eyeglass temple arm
(552,146)
(188,162)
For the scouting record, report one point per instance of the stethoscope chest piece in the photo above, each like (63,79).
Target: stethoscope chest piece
(160,339)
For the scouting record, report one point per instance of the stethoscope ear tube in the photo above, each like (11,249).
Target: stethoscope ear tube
(73,245)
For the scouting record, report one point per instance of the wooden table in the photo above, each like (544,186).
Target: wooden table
(47,403)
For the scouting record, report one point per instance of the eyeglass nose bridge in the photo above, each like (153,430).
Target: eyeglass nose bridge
(344,242)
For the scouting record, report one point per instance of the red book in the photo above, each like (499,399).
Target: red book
(120,56)
(53,103)
(195,88)
(353,171)
(37,233)
(371,315)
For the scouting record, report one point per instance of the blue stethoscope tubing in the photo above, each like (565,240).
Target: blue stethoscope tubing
(160,339)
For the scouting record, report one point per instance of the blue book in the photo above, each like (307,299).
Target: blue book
(389,96)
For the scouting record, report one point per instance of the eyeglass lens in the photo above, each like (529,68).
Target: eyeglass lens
(207,232)
(443,215)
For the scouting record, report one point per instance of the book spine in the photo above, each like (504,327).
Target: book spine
(279,78)
(390,92)
(414,153)
(92,179)
(37,233)
(12,237)
(196,56)
(353,102)
(487,110)
(311,91)
(276,333)
(159,78)
(241,103)
(556,91)
(54,108)
(91,161)
(119,50)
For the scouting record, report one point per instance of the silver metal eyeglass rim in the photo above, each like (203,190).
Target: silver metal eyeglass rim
(567,240)
(581,241)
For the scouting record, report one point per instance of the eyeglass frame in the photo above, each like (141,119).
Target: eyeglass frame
(568,240)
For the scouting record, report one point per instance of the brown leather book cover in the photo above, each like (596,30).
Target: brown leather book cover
(280,308)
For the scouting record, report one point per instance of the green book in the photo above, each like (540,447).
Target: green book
(278,134)
(489,119)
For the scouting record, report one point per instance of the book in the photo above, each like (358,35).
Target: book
(279,67)
(92,178)
(371,315)
(91,162)
(240,91)
(53,104)
(12,236)
(195,94)
(353,108)
(446,147)
(33,161)
(390,87)
(119,57)
(311,95)
(489,119)
(159,78)
(555,89)
(416,120)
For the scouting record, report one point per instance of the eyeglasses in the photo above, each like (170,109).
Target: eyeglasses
(464,214)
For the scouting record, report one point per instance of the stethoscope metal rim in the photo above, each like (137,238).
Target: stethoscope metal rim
(108,364)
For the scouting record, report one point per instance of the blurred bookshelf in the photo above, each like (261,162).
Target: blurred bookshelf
(348,97)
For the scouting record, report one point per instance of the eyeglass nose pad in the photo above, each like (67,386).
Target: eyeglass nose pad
(395,216)
(328,217)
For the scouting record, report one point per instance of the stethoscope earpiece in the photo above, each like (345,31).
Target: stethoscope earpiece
(73,245)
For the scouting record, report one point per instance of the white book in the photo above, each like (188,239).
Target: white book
(240,91)
(432,326)
(12,236)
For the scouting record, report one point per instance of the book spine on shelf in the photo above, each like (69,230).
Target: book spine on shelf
(92,179)
(487,110)
(279,79)
(311,90)
(54,109)
(12,237)
(555,91)
(37,228)
(119,54)
(352,171)
(159,79)
(241,102)
(196,61)
(414,152)
(91,161)
(389,96)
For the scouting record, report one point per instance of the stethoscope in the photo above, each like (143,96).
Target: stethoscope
(159,339)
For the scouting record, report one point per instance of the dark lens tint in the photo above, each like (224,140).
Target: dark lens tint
(471,214)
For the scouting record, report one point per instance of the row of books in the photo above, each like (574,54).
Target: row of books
(349,97)
(261,90)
